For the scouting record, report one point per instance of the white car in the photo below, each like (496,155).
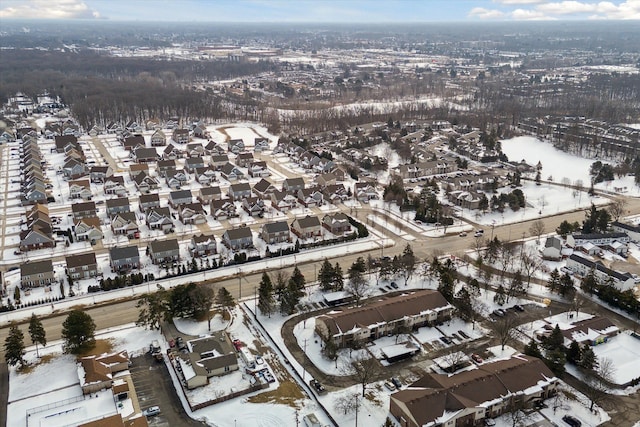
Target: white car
(150,412)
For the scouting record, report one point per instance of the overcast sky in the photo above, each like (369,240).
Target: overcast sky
(320,10)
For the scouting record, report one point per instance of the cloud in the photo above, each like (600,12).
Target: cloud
(530,15)
(512,2)
(629,9)
(483,13)
(48,9)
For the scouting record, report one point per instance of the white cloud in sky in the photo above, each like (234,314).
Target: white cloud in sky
(47,9)
(545,10)
(483,13)
(520,1)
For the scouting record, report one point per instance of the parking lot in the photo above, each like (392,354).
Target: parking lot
(155,388)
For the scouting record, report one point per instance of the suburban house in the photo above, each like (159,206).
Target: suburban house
(73,169)
(384,317)
(159,219)
(88,229)
(222,209)
(180,136)
(83,266)
(34,274)
(62,141)
(239,191)
(83,210)
(158,138)
(116,206)
(114,185)
(163,251)
(180,197)
(238,238)
(208,356)
(195,149)
(310,197)
(144,155)
(193,163)
(80,189)
(205,175)
(364,191)
(260,145)
(145,183)
(633,231)
(552,249)
(258,169)
(131,142)
(337,223)
(100,173)
(213,149)
(254,206)
(469,397)
(292,185)
(98,372)
(307,228)
(125,224)
(176,178)
(231,172)
(203,245)
(171,152)
(207,194)
(592,331)
(283,201)
(275,232)
(235,146)
(244,159)
(36,238)
(165,167)
(583,266)
(124,258)
(264,189)
(148,201)
(218,161)
(192,213)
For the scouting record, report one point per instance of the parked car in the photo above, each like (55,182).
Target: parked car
(499,312)
(518,307)
(394,285)
(489,422)
(389,386)
(396,382)
(572,421)
(476,358)
(463,234)
(152,411)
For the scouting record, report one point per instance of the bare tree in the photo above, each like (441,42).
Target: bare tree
(537,229)
(596,382)
(504,331)
(617,208)
(518,411)
(531,263)
(347,403)
(454,361)
(506,258)
(357,286)
(364,369)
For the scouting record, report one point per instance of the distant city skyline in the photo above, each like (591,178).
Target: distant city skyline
(338,11)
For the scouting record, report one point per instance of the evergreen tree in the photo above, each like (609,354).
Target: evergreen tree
(462,302)
(554,281)
(224,299)
(78,332)
(154,308)
(499,297)
(556,360)
(574,353)
(532,349)
(588,359)
(298,278)
(266,300)
(566,285)
(589,283)
(555,341)
(14,346)
(408,263)
(326,276)
(338,278)
(16,295)
(290,298)
(37,333)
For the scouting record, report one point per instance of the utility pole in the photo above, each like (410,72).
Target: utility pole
(356,410)
(255,303)
(239,284)
(304,360)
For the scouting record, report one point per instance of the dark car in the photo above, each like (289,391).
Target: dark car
(394,285)
(518,307)
(396,382)
(572,421)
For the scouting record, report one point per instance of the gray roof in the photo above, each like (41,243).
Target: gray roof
(180,194)
(81,207)
(164,245)
(239,233)
(80,260)
(36,267)
(276,227)
(553,242)
(241,186)
(120,201)
(124,252)
(309,221)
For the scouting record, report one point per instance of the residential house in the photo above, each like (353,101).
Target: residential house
(218,161)
(336,193)
(469,397)
(100,173)
(63,141)
(73,169)
(583,267)
(203,245)
(124,258)
(164,251)
(131,142)
(205,175)
(83,266)
(222,209)
(239,191)
(116,206)
(238,238)
(207,194)
(365,191)
(36,238)
(258,169)
(176,179)
(212,149)
(171,152)
(597,239)
(34,274)
(244,159)
(148,201)
(195,150)
(384,317)
(98,372)
(114,185)
(310,197)
(138,168)
(337,224)
(210,356)
(275,232)
(180,197)
(88,230)
(235,146)
(307,228)
(83,210)
(254,206)
(180,136)
(80,189)
(145,183)
(552,249)
(292,185)
(633,231)
(192,213)
(283,201)
(231,172)
(158,138)
(125,224)
(144,155)
(325,180)
(264,189)
(159,219)
(261,145)
(193,163)
(166,167)
(200,131)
